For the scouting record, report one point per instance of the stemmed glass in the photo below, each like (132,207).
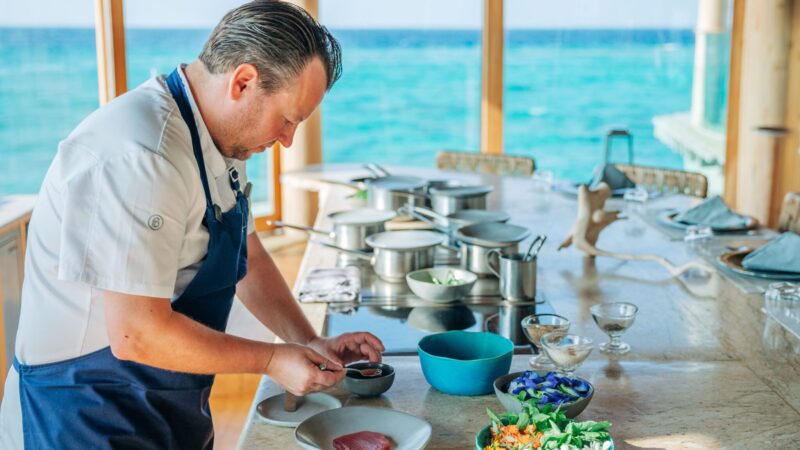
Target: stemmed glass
(537,325)
(614,319)
(567,351)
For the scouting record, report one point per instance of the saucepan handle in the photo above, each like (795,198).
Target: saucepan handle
(490,257)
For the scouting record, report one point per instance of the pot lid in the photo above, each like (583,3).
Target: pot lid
(492,234)
(462,191)
(470,216)
(397,183)
(361,216)
(405,239)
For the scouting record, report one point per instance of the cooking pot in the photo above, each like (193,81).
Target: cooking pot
(350,227)
(477,240)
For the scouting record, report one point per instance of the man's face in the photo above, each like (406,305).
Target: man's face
(258,120)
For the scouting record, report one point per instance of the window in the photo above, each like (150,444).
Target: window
(578,68)
(48,84)
(411,80)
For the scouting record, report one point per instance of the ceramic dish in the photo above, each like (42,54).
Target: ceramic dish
(483,438)
(406,431)
(272,411)
(422,284)
(667,218)
(464,363)
(512,404)
(733,262)
(369,386)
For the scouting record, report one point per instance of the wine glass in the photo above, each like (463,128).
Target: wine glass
(537,325)
(614,319)
(567,351)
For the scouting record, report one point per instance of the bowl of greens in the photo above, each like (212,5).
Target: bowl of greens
(441,284)
(545,428)
(572,394)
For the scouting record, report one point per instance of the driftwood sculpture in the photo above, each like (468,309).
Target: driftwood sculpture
(592,219)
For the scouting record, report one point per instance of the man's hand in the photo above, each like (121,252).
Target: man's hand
(349,347)
(296,369)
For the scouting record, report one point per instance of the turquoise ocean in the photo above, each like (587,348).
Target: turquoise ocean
(404,94)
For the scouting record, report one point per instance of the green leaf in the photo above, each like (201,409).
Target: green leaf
(523,421)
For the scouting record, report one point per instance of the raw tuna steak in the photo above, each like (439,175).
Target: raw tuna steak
(363,440)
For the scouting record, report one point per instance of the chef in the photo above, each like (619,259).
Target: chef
(141,236)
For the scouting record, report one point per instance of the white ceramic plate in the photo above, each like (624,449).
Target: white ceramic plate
(406,431)
(271,410)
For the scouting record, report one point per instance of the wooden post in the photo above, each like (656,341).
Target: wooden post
(764,70)
(734,89)
(710,22)
(300,206)
(492,77)
(787,160)
(109,28)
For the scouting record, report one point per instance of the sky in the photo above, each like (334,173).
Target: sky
(338,14)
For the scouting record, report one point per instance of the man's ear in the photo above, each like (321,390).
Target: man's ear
(243,78)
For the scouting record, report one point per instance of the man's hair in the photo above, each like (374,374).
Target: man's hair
(276,37)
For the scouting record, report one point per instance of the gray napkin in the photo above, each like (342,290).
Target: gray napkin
(781,254)
(713,213)
(613,177)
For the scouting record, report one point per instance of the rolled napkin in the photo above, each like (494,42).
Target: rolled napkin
(781,254)
(613,177)
(713,213)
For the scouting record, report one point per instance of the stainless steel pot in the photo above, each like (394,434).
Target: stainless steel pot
(391,192)
(450,199)
(398,252)
(350,228)
(452,222)
(477,240)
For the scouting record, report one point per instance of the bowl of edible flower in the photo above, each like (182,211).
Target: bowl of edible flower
(546,428)
(441,284)
(572,394)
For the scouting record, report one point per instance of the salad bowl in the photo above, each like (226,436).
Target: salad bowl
(572,408)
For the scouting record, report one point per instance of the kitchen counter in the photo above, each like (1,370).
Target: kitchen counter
(706,369)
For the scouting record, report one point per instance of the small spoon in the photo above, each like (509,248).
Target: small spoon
(369,372)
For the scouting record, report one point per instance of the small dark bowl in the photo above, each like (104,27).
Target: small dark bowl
(369,386)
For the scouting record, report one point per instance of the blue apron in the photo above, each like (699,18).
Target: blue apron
(97,401)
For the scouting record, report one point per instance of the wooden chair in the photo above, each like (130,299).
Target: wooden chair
(666,180)
(789,220)
(519,166)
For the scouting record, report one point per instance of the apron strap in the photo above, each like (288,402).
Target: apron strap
(176,88)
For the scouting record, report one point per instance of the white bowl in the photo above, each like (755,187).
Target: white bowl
(421,284)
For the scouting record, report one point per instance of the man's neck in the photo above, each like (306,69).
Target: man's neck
(202,87)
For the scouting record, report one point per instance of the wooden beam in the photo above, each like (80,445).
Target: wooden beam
(787,158)
(110,39)
(492,77)
(762,102)
(734,83)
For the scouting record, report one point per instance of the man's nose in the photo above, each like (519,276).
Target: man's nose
(287,136)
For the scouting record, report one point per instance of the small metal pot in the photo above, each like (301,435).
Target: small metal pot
(350,228)
(451,199)
(391,192)
(477,240)
(452,222)
(398,252)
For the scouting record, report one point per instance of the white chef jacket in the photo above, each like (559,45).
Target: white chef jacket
(120,209)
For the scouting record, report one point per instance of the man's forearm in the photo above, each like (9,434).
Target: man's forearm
(267,296)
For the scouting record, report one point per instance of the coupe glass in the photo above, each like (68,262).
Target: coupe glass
(537,325)
(614,319)
(567,351)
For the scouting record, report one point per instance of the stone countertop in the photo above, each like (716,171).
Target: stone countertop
(706,370)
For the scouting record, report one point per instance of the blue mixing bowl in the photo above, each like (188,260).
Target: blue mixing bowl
(464,363)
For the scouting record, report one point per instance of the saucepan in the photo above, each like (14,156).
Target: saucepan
(452,222)
(397,252)
(351,227)
(447,200)
(477,240)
